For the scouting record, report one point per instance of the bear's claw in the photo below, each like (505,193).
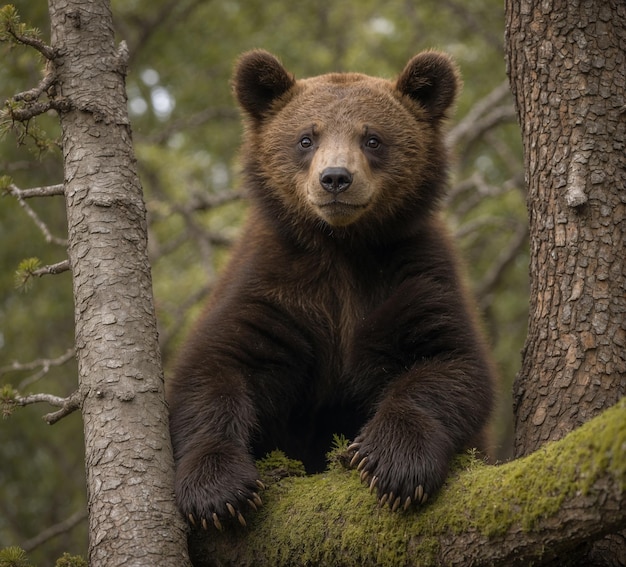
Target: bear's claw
(394,501)
(254,502)
(216,522)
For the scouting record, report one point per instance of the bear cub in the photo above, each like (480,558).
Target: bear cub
(341,310)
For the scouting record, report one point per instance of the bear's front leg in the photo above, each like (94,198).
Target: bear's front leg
(212,419)
(217,482)
(403,453)
(427,415)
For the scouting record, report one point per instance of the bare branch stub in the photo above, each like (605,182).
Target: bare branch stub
(68,405)
(48,191)
(34,93)
(53,269)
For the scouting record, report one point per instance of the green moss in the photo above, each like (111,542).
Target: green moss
(526,491)
(277,465)
(318,519)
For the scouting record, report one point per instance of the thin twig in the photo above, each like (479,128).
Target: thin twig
(48,52)
(192,121)
(53,269)
(34,93)
(486,112)
(43,365)
(41,398)
(48,191)
(16,192)
(504,260)
(68,405)
(53,531)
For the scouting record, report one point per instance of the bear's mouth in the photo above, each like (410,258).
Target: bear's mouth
(338,212)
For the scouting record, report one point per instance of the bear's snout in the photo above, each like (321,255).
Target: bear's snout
(335,179)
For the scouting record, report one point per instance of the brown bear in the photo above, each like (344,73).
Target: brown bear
(342,310)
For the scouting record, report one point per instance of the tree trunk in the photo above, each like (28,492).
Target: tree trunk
(132,516)
(567,67)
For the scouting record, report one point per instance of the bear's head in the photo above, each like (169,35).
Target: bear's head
(347,149)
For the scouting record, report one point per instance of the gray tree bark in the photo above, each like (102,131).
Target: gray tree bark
(132,517)
(567,66)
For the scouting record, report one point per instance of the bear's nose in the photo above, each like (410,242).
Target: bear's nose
(335,179)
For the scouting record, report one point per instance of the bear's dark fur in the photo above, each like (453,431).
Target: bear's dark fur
(341,310)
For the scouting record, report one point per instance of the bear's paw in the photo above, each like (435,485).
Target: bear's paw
(401,462)
(217,487)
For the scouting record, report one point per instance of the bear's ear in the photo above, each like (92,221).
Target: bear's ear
(432,80)
(259,79)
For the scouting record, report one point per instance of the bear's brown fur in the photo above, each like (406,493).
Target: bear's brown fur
(342,310)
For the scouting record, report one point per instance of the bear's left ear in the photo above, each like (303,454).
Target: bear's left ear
(432,80)
(259,79)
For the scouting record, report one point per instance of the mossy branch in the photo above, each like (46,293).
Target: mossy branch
(527,511)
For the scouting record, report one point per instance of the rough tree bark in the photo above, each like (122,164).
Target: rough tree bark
(132,517)
(567,66)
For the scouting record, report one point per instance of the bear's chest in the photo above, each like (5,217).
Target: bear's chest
(335,303)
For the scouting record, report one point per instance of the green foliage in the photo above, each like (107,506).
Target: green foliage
(16,557)
(12,29)
(13,557)
(25,130)
(339,456)
(68,560)
(277,465)
(25,272)
(7,399)
(5,183)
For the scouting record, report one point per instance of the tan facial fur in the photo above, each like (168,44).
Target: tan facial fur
(340,160)
(341,147)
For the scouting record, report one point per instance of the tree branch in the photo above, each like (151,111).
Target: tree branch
(485,114)
(53,269)
(34,93)
(68,405)
(49,191)
(502,262)
(53,531)
(43,227)
(10,25)
(42,364)
(47,51)
(523,512)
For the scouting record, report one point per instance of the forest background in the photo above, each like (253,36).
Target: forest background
(186,133)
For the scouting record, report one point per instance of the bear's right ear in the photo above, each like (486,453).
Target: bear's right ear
(259,79)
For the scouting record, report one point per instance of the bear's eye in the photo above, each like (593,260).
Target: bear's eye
(372,143)
(305,142)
